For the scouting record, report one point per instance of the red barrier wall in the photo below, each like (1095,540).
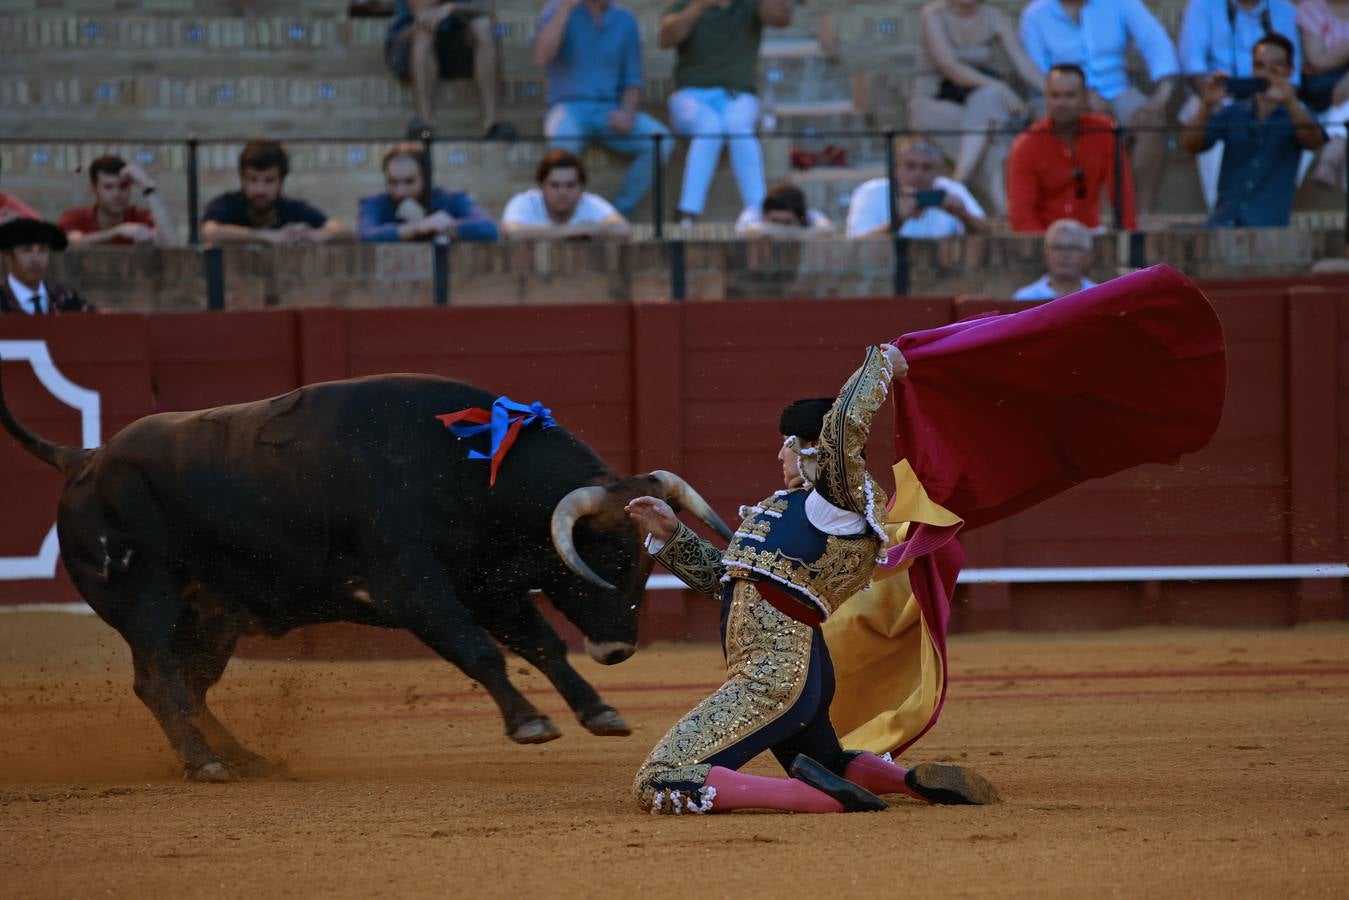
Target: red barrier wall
(697,388)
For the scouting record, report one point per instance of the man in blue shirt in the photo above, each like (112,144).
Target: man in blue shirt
(1218,36)
(1264,136)
(593,55)
(1096,35)
(409,209)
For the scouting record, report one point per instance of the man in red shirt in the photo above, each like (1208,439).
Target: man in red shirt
(1058,166)
(112,219)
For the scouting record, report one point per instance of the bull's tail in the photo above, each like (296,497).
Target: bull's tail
(64,458)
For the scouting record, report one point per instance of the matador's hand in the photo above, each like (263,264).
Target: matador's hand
(653,516)
(897,360)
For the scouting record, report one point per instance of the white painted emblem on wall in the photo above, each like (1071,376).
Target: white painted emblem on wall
(43,565)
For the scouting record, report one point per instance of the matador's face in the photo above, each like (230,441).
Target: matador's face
(790,457)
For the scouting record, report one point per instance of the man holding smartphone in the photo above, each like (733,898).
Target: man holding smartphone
(1264,129)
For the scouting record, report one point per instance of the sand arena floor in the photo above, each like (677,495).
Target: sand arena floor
(1141,763)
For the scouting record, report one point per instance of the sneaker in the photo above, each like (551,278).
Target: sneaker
(950,785)
(416,129)
(501,131)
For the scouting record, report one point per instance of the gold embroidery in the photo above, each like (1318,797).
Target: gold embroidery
(767,659)
(694,561)
(756,529)
(843,478)
(843,569)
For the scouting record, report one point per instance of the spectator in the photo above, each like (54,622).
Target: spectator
(429,40)
(1218,36)
(26,246)
(716,76)
(928,204)
(1067,255)
(1324,26)
(258,213)
(1095,35)
(12,207)
(409,209)
(113,219)
(960,87)
(561,207)
(593,55)
(1059,165)
(783,215)
(1264,136)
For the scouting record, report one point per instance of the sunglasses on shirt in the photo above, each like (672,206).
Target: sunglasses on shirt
(1080,179)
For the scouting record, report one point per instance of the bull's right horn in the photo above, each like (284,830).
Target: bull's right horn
(582,502)
(679,490)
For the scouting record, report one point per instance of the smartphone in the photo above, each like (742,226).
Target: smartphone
(925,199)
(1244,88)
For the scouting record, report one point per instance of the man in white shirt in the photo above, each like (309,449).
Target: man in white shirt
(560,207)
(928,204)
(26,246)
(1067,255)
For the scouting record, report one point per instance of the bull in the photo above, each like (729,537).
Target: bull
(348,502)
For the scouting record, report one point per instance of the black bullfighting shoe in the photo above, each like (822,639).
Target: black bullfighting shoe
(950,785)
(853,797)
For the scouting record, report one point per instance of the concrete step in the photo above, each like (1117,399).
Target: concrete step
(813,109)
(791,48)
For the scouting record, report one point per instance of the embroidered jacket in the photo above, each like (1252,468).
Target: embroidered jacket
(777,542)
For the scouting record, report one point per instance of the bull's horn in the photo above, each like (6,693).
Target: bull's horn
(582,502)
(679,490)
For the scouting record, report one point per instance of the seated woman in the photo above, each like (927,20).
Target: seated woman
(409,209)
(1324,25)
(961,87)
(783,215)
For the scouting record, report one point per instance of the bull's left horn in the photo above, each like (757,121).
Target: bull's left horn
(582,502)
(679,490)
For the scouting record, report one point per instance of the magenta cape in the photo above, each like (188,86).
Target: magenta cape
(1002,411)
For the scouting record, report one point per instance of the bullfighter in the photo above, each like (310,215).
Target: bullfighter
(795,558)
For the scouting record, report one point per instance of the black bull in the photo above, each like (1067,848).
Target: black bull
(349,501)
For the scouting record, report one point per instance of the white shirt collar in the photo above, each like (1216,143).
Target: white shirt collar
(24,295)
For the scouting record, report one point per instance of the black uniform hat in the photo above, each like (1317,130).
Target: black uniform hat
(17,232)
(804,418)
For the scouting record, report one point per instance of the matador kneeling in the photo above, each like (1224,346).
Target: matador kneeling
(795,558)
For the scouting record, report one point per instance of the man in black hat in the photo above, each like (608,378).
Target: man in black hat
(26,246)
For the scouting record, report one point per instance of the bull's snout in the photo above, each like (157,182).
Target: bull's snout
(608,653)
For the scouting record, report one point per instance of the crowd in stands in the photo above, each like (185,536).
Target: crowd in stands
(1023,122)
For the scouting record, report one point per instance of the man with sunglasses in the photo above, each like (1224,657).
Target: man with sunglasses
(1059,166)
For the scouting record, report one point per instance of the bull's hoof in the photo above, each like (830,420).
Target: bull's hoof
(535,731)
(214,772)
(606,722)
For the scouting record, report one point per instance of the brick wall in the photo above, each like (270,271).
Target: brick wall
(542,273)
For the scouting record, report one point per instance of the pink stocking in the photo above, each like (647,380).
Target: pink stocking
(878,776)
(736,790)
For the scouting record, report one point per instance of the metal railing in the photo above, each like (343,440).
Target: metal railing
(900,245)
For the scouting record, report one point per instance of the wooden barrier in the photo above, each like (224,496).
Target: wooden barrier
(697,388)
